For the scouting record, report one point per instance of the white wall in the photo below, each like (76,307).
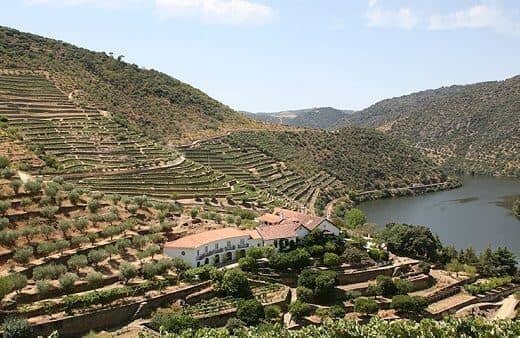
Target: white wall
(326,225)
(190,255)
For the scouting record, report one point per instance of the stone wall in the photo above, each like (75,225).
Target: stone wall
(75,326)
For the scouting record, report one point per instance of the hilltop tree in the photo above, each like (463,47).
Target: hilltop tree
(234,283)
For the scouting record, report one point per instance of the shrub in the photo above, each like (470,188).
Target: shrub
(94,278)
(67,281)
(408,304)
(73,196)
(97,256)
(93,205)
(331,260)
(127,271)
(354,256)
(77,262)
(33,187)
(351,295)
(234,283)
(248,264)
(174,322)
(4,206)
(16,328)
(336,311)
(305,294)
(49,271)
(43,287)
(299,309)
(19,281)
(316,250)
(386,285)
(250,311)
(22,255)
(365,305)
(272,312)
(4,162)
(6,286)
(234,324)
(15,185)
(403,286)
(4,223)
(354,218)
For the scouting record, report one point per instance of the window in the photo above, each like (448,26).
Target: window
(228,244)
(183,253)
(198,264)
(206,249)
(241,241)
(275,243)
(216,245)
(198,252)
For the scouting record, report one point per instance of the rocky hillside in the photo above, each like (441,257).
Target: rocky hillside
(321,118)
(474,128)
(161,106)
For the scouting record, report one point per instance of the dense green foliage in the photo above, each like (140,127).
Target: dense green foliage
(375,328)
(362,159)
(234,283)
(250,311)
(173,322)
(156,103)
(409,240)
(473,127)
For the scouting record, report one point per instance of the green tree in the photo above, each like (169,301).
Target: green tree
(234,283)
(354,218)
(174,322)
(127,271)
(331,260)
(247,264)
(6,286)
(299,309)
(365,305)
(77,262)
(409,304)
(15,327)
(250,311)
(19,281)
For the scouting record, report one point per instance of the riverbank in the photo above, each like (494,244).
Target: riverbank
(412,190)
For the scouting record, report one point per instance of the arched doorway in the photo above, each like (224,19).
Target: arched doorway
(216,259)
(206,261)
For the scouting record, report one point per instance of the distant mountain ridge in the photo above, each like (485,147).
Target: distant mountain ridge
(475,128)
(320,117)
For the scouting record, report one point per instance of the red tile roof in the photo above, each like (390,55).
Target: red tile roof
(206,237)
(308,221)
(277,231)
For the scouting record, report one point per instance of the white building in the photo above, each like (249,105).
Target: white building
(280,230)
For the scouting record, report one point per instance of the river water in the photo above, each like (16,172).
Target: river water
(478,214)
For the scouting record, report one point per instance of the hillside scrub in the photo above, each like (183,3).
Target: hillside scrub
(139,98)
(373,160)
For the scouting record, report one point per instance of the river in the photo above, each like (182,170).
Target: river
(477,214)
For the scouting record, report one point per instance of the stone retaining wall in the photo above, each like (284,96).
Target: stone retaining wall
(75,326)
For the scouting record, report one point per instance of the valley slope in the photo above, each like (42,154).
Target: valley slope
(162,107)
(475,128)
(320,118)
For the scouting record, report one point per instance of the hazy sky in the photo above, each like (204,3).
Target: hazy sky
(261,55)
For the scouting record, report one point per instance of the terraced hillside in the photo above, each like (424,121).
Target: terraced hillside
(474,128)
(160,106)
(361,159)
(257,168)
(97,152)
